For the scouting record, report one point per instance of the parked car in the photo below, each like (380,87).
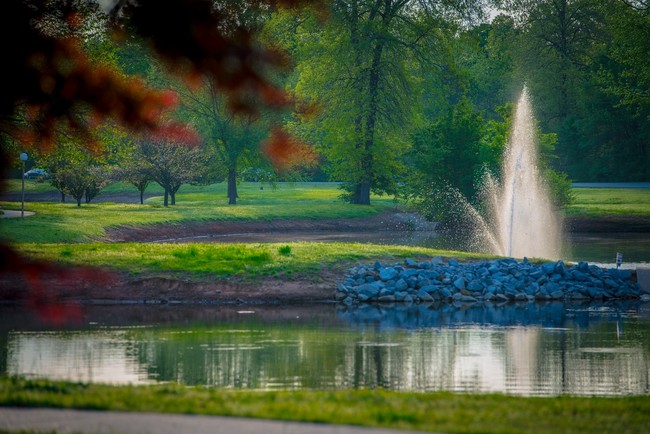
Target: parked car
(36,174)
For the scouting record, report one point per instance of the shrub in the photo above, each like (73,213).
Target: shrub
(284,250)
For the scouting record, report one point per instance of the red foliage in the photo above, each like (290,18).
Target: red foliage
(48,78)
(43,280)
(287,152)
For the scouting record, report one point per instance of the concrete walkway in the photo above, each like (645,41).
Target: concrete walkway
(611,184)
(8,214)
(87,421)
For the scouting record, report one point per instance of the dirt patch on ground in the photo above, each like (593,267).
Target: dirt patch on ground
(238,230)
(107,287)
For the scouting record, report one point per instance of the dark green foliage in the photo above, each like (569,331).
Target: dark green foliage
(284,250)
(448,151)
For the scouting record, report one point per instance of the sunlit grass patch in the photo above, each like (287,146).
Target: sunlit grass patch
(602,201)
(65,222)
(261,259)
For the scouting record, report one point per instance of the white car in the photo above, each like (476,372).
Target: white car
(36,174)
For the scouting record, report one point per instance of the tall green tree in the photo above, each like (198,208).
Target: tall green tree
(363,68)
(234,137)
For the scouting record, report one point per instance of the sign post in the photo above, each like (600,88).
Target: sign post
(619,259)
(23,158)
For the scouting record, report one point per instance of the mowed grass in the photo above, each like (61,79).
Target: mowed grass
(436,412)
(603,201)
(251,260)
(67,223)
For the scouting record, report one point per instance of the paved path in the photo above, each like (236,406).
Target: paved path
(611,184)
(7,213)
(86,421)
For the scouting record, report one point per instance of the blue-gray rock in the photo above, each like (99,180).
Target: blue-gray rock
(611,283)
(445,293)
(429,289)
(386,298)
(410,262)
(369,290)
(401,295)
(411,272)
(521,297)
(464,298)
(495,280)
(388,274)
(579,276)
(556,277)
(401,285)
(548,267)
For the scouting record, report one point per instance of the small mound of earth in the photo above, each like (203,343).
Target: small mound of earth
(391,220)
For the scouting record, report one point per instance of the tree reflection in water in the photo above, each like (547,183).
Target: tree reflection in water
(529,349)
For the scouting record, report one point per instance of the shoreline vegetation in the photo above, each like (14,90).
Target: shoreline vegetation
(432,411)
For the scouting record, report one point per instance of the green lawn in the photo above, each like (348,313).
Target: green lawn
(439,411)
(602,201)
(253,260)
(67,223)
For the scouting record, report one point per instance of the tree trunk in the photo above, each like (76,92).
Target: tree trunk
(62,197)
(79,201)
(173,196)
(362,190)
(166,200)
(362,193)
(232,186)
(142,197)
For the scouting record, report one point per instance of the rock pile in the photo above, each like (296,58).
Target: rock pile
(499,280)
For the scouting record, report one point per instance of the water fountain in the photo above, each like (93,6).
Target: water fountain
(524,220)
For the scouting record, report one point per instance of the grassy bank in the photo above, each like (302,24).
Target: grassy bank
(65,222)
(598,202)
(223,259)
(440,411)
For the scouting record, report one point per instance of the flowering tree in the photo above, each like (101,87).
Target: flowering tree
(170,164)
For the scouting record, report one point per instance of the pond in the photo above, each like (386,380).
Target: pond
(529,349)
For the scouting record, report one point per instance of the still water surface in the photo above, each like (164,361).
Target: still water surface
(528,349)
